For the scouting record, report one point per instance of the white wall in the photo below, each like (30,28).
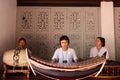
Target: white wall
(7,25)
(107,27)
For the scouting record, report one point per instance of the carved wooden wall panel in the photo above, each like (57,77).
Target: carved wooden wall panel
(117,32)
(91,29)
(43,26)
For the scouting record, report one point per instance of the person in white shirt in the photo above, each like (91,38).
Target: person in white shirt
(64,54)
(99,49)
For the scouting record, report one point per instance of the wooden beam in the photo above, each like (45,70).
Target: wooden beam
(58,2)
(64,2)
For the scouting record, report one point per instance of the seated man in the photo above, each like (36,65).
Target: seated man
(15,60)
(21,46)
(64,54)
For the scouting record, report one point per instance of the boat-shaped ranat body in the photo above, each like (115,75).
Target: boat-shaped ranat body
(79,70)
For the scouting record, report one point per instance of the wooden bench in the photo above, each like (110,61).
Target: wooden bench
(111,70)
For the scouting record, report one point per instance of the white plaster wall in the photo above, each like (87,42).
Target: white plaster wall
(7,26)
(107,27)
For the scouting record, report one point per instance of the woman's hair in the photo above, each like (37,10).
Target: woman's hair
(102,40)
(64,37)
(22,39)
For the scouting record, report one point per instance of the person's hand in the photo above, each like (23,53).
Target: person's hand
(53,60)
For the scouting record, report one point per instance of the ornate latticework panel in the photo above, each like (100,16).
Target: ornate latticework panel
(91,28)
(75,29)
(25,25)
(117,32)
(43,26)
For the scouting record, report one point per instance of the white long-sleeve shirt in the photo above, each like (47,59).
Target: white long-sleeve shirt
(68,55)
(94,52)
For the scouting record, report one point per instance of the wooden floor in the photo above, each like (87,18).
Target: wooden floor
(20,76)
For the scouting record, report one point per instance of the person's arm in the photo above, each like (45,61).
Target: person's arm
(54,60)
(75,56)
(76,60)
(55,57)
(107,55)
(92,51)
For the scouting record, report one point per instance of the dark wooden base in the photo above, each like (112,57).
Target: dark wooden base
(11,69)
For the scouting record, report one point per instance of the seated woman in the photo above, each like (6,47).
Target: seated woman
(64,54)
(99,49)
